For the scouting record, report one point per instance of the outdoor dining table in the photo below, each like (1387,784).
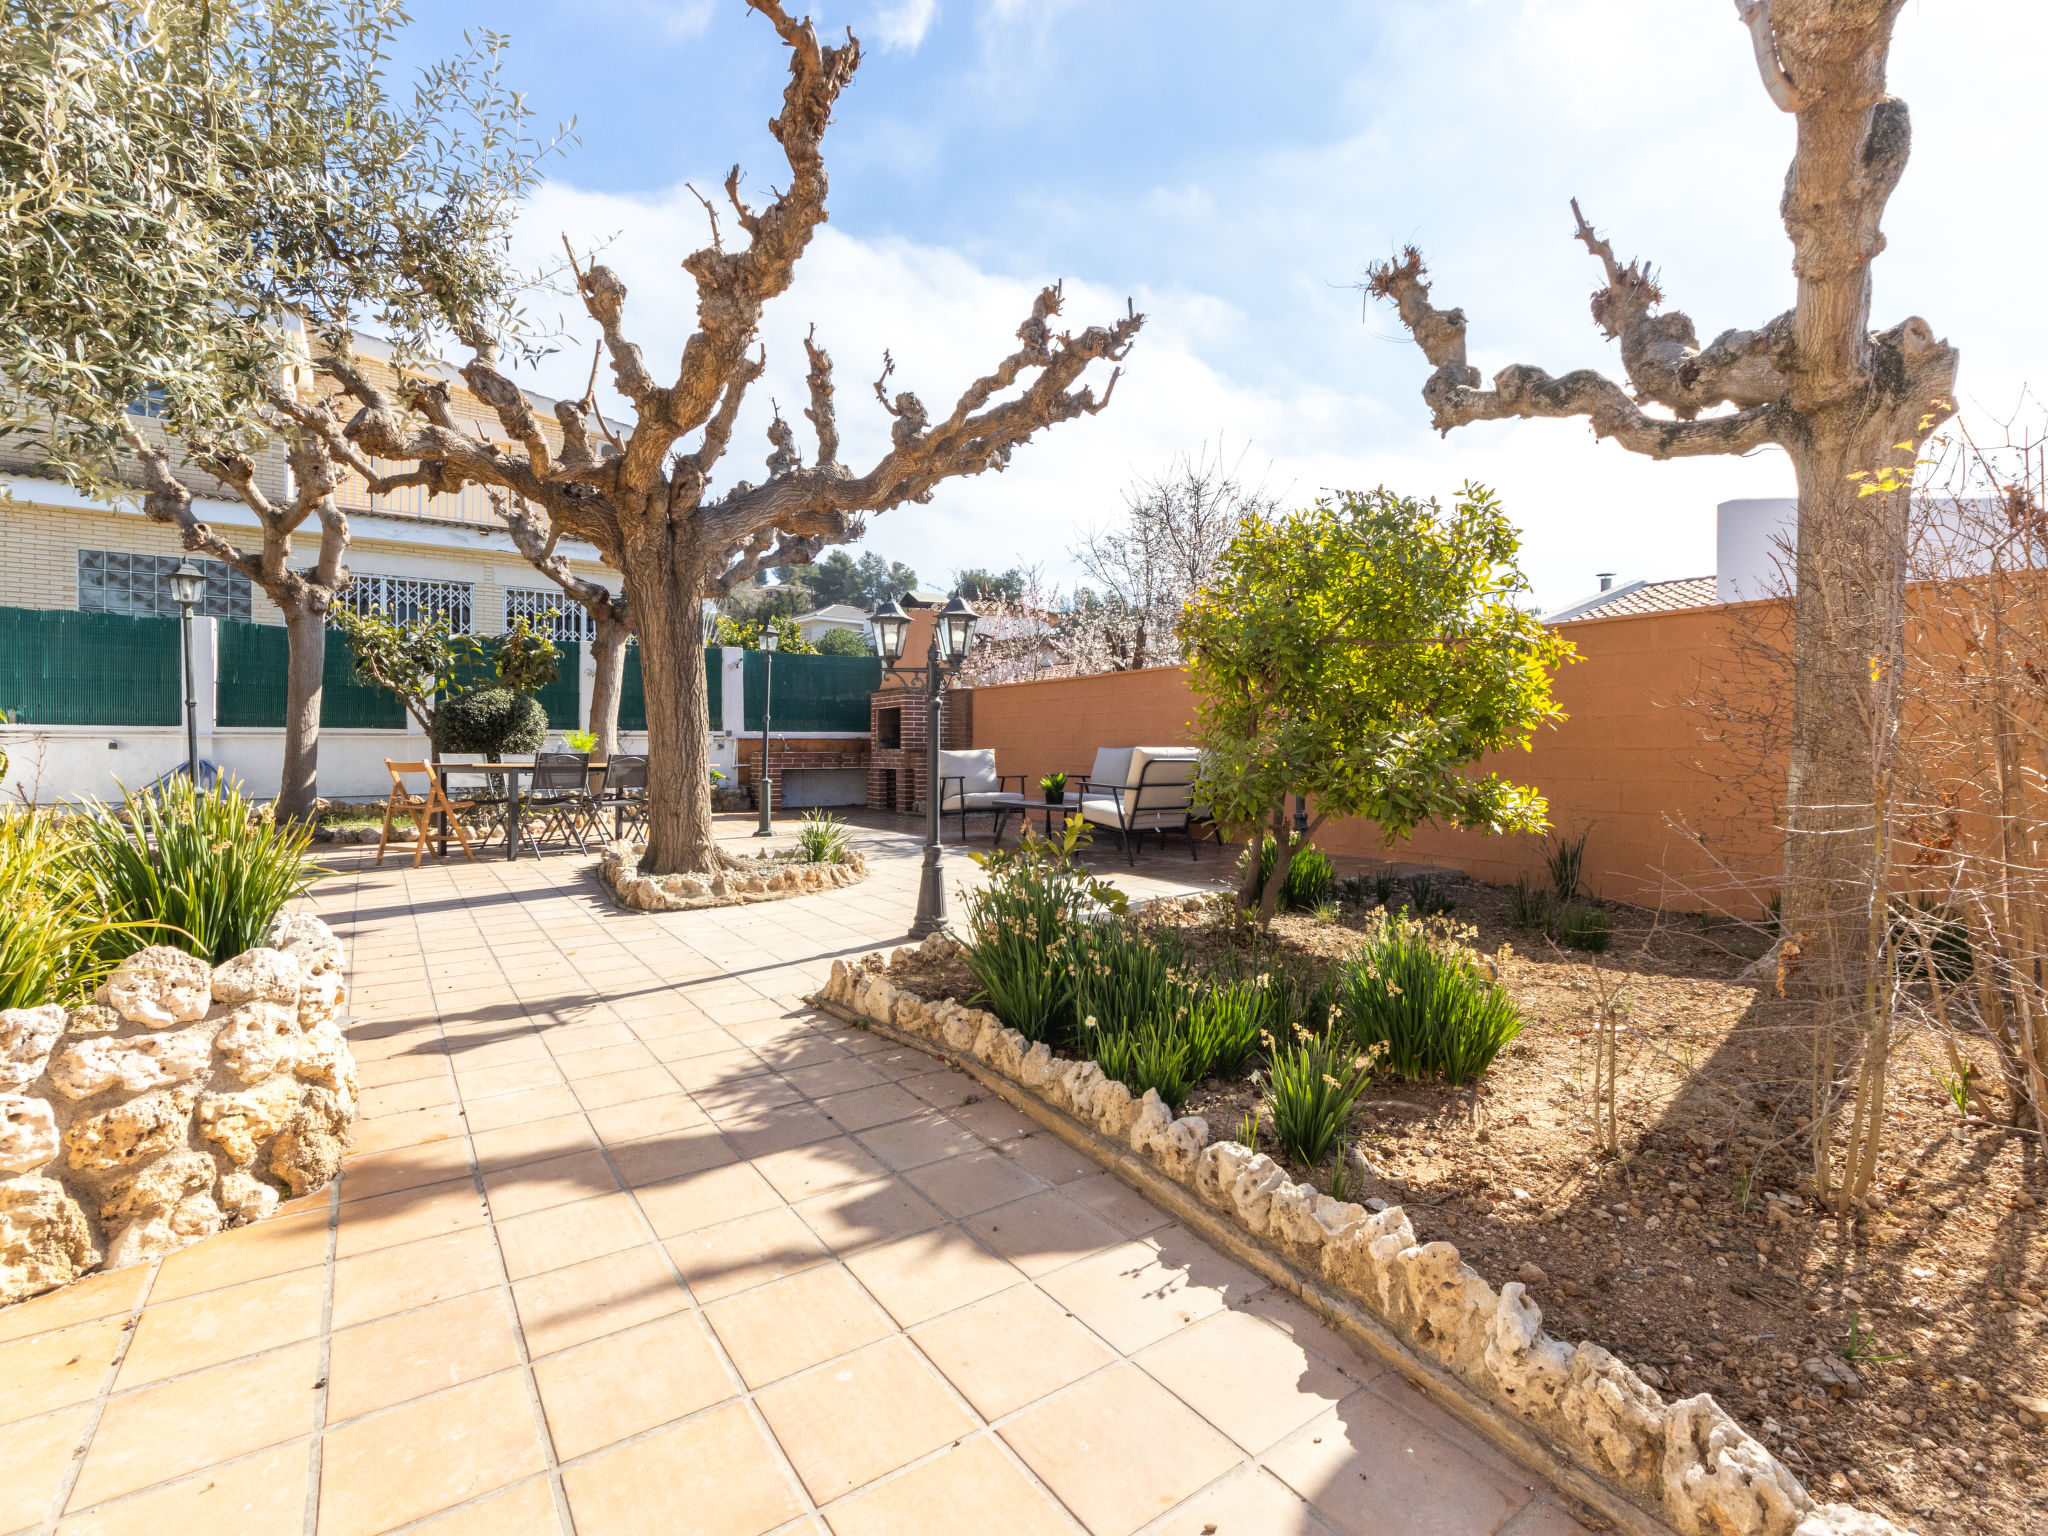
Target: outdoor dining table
(515,798)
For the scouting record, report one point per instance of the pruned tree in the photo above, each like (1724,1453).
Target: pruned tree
(1843,402)
(534,534)
(649,505)
(201,184)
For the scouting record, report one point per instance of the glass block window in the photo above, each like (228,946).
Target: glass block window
(549,611)
(139,586)
(412,599)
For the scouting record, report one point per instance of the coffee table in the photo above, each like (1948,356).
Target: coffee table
(1024,805)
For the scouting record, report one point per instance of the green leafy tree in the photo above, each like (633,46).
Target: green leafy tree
(202,199)
(1364,653)
(525,660)
(979,586)
(490,721)
(865,583)
(421,662)
(844,642)
(746,634)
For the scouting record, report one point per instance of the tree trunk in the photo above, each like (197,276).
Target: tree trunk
(669,620)
(306,666)
(608,651)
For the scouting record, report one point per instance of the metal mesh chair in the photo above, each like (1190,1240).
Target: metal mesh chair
(558,799)
(625,792)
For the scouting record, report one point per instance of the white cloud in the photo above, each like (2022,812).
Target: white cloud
(904,23)
(679,20)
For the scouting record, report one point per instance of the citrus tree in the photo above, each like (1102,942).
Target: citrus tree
(1364,653)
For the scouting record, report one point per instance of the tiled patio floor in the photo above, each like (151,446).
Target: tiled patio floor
(632,1241)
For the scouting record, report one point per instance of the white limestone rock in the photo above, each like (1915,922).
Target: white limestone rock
(1452,1307)
(307,940)
(28,1133)
(1075,1088)
(1718,1481)
(320,999)
(1291,1215)
(1006,1053)
(258,976)
(240,1123)
(1251,1197)
(45,1239)
(1531,1370)
(125,1135)
(160,987)
(1038,1068)
(258,1040)
(1337,1217)
(1217,1169)
(323,1057)
(160,1207)
(244,1197)
(26,1037)
(1615,1417)
(93,1019)
(961,1027)
(1151,1121)
(1113,1109)
(135,1064)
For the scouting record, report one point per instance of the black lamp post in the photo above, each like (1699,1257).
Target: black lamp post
(952,638)
(188,589)
(769,640)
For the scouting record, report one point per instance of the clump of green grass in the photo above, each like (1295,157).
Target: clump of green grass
(1311,1085)
(823,838)
(1427,1002)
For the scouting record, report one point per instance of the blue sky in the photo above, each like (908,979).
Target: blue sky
(1233,167)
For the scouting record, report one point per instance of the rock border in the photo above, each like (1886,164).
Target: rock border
(783,877)
(184,1098)
(1578,1416)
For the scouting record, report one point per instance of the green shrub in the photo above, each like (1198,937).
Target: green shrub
(1582,926)
(1566,860)
(199,870)
(1158,1053)
(844,642)
(1023,926)
(1310,879)
(49,932)
(1429,1004)
(1310,1088)
(1225,1022)
(1428,896)
(490,721)
(1123,981)
(823,838)
(1530,906)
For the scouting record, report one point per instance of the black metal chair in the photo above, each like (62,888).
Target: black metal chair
(1143,789)
(558,799)
(625,791)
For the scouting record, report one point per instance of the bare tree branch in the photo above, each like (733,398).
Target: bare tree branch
(824,421)
(1756,15)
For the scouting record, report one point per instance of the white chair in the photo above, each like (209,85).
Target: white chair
(1143,789)
(969,785)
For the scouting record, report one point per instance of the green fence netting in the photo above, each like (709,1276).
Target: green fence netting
(63,668)
(812,693)
(251,679)
(633,690)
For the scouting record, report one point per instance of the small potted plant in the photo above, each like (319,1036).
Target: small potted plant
(1055,787)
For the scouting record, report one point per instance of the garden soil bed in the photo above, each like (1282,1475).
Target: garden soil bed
(1697,1252)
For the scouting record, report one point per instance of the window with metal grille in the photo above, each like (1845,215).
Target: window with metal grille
(139,586)
(549,611)
(411,599)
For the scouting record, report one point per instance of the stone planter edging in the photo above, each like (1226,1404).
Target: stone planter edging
(618,868)
(1579,1417)
(184,1098)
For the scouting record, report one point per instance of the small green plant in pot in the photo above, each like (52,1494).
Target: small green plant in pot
(1055,787)
(580,741)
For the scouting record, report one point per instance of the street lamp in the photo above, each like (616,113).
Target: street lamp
(188,588)
(769,640)
(952,639)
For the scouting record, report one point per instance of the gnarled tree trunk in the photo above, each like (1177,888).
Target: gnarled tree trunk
(608,657)
(306,667)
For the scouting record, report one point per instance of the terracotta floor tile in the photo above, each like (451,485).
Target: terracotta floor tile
(599,1394)
(433,1210)
(899,1063)
(36,1454)
(574,1039)
(664,1115)
(1118,1449)
(522,1106)
(411,1129)
(260,1495)
(973,1488)
(870,1106)
(862,1215)
(534,1143)
(777,1330)
(671,1156)
(1136,1294)
(706,1199)
(414,1353)
(488,1082)
(1418,1482)
(254,1252)
(993,1120)
(180,1426)
(1540,1517)
(1011,1349)
(413,1093)
(623,1087)
(569,1234)
(538,1186)
(1117,1203)
(919,1140)
(823,1165)
(364,1178)
(525,1510)
(845,1424)
(754,1250)
(397,1069)
(414,1460)
(54,1370)
(917,1278)
(1045,1156)
(843,1074)
(777,1130)
(1245,1377)
(628,1056)
(1043,1232)
(216,1326)
(714,1069)
(748,1097)
(103,1295)
(944,1088)
(414,1274)
(1249,1502)
(658,1483)
(565,1307)
(1282,1311)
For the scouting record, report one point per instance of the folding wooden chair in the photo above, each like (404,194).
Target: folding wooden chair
(421,809)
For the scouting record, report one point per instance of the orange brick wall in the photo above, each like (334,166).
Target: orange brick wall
(1631,759)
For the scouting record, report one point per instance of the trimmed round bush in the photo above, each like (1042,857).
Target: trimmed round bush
(492,721)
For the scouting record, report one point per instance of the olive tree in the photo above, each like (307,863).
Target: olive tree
(204,195)
(643,492)
(1848,405)
(1364,653)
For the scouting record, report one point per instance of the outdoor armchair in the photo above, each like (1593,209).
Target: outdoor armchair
(969,785)
(1142,789)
